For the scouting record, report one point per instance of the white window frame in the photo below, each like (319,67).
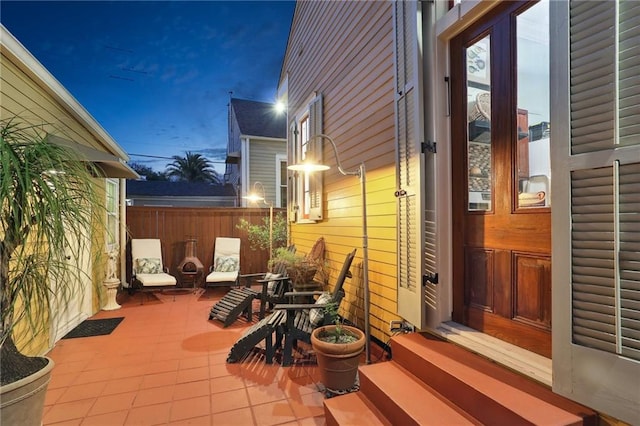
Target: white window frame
(307,186)
(281,184)
(112,220)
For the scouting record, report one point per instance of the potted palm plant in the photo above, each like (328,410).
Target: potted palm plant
(48,204)
(337,348)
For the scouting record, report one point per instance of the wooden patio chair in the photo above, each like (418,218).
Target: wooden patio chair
(273,284)
(302,318)
(239,300)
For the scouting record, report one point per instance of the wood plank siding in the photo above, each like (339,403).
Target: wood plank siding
(22,97)
(350,63)
(174,225)
(262,166)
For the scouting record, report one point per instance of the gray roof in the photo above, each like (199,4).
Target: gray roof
(259,119)
(160,188)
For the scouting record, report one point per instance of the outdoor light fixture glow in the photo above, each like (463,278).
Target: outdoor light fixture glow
(255,197)
(360,173)
(308,167)
(280,107)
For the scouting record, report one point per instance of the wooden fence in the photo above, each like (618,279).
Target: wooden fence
(174,225)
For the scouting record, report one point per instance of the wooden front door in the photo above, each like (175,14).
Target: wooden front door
(501,176)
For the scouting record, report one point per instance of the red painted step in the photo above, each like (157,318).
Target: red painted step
(433,382)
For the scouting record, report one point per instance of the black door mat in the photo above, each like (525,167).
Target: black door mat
(98,327)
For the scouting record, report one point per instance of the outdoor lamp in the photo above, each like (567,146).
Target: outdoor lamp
(309,167)
(255,196)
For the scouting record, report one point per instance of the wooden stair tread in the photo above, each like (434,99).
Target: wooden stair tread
(470,377)
(407,397)
(353,409)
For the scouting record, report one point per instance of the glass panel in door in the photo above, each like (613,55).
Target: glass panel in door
(479,158)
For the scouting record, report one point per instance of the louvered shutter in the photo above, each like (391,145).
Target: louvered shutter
(411,304)
(597,345)
(316,150)
(292,184)
(605,269)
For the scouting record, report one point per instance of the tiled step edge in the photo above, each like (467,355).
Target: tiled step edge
(352,409)
(482,388)
(404,400)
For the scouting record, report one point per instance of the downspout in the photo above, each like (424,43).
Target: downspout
(123,232)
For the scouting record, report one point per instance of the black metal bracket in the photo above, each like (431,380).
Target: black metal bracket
(430,278)
(428,146)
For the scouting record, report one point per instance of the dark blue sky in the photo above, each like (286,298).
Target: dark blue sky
(157,74)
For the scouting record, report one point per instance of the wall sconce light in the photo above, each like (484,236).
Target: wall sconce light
(310,167)
(255,197)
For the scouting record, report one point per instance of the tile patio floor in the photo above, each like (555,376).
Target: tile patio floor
(165,363)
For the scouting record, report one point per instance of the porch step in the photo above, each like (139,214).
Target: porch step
(430,381)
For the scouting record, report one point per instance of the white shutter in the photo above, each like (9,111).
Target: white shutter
(411,304)
(316,149)
(292,185)
(596,248)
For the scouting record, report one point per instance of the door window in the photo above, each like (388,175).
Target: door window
(479,124)
(533,119)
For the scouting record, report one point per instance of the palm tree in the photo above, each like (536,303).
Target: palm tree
(192,168)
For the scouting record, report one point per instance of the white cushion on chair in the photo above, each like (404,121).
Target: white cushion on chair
(220,277)
(156,280)
(226,260)
(146,256)
(271,284)
(317,315)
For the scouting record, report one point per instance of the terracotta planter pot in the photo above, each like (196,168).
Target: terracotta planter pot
(338,362)
(22,402)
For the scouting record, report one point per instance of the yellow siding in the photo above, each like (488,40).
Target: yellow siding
(350,62)
(24,97)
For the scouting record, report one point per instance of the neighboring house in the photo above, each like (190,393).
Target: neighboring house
(460,211)
(257,150)
(32,95)
(179,194)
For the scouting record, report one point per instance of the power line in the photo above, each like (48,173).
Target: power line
(167,158)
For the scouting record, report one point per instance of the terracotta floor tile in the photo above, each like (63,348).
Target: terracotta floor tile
(196,421)
(263,394)
(226,383)
(74,422)
(77,393)
(68,411)
(111,403)
(53,395)
(97,375)
(309,405)
(162,366)
(114,418)
(229,401)
(193,374)
(312,421)
(190,408)
(148,415)
(166,363)
(194,362)
(122,385)
(191,390)
(153,396)
(273,413)
(159,379)
(61,380)
(243,416)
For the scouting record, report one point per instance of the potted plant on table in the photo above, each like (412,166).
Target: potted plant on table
(338,348)
(300,269)
(48,210)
